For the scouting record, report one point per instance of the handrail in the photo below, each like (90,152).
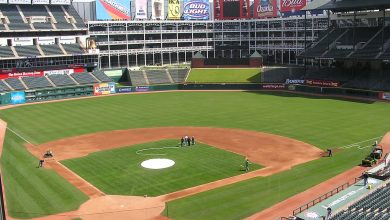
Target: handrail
(320,198)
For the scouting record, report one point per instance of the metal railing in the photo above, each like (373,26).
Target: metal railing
(320,198)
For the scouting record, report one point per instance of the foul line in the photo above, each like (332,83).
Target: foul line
(160,148)
(20,136)
(358,144)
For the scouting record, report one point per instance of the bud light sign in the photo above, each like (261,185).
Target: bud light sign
(292,5)
(196,10)
(18,98)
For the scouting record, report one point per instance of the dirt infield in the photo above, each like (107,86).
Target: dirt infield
(275,152)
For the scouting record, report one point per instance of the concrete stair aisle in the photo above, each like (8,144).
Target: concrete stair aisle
(145,77)
(8,85)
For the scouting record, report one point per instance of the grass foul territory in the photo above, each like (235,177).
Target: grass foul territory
(322,122)
(244,75)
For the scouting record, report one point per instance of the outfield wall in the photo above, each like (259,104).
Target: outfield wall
(47,94)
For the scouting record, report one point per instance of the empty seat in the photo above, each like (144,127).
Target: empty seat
(101,76)
(36,82)
(6,52)
(3,86)
(51,49)
(84,78)
(137,78)
(15,83)
(61,80)
(73,48)
(157,76)
(178,75)
(27,51)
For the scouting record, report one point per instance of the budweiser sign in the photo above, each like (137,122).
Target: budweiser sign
(292,5)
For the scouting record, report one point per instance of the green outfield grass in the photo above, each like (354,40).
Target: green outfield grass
(242,75)
(118,171)
(320,121)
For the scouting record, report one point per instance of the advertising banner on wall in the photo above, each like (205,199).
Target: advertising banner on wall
(3,2)
(325,83)
(292,5)
(60,2)
(384,95)
(21,2)
(22,74)
(40,2)
(196,10)
(174,9)
(113,9)
(158,10)
(18,97)
(141,9)
(265,9)
(104,89)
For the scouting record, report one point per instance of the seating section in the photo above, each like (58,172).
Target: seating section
(43,26)
(157,76)
(14,17)
(51,49)
(351,38)
(137,78)
(61,80)
(2,27)
(375,206)
(84,78)
(36,82)
(6,52)
(3,86)
(59,15)
(178,75)
(73,48)
(27,51)
(34,10)
(101,76)
(72,12)
(324,42)
(15,83)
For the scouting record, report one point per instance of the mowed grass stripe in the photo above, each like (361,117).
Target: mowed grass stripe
(120,171)
(30,191)
(320,121)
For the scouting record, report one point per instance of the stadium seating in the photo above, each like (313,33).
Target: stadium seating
(3,86)
(14,17)
(375,206)
(34,10)
(137,78)
(178,75)
(101,76)
(322,45)
(157,76)
(43,26)
(61,80)
(27,51)
(51,49)
(59,15)
(73,48)
(84,78)
(15,83)
(372,49)
(6,52)
(72,12)
(36,82)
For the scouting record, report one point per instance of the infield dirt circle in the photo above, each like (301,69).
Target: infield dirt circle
(275,152)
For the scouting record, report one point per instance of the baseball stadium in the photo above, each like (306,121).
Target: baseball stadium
(151,109)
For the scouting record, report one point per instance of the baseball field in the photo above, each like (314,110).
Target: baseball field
(100,140)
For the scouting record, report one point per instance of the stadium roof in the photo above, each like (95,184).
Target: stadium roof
(347,5)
